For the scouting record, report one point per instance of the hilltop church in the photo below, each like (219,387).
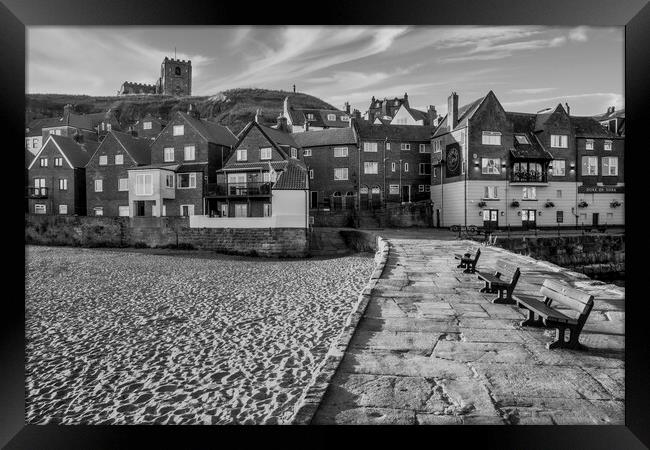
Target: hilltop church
(175,79)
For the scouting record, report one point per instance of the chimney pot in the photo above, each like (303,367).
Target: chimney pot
(452,111)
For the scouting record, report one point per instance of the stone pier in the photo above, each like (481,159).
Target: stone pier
(431,349)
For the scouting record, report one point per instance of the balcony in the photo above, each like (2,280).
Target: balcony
(528,176)
(239,189)
(37,192)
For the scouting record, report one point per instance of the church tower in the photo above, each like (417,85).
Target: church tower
(175,77)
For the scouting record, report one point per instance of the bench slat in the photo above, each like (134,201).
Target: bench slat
(576,304)
(505,268)
(568,291)
(542,309)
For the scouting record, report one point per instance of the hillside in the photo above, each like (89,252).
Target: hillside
(234,108)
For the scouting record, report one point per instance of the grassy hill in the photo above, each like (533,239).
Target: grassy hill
(234,108)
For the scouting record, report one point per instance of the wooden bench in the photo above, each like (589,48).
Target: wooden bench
(502,281)
(467,261)
(579,303)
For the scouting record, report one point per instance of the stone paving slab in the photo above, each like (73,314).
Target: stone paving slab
(431,349)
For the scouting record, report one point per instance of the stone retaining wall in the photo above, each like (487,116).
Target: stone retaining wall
(313,395)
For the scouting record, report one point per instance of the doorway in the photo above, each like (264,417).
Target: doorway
(437,218)
(528,219)
(139,208)
(313,200)
(406,194)
(491,218)
(594,219)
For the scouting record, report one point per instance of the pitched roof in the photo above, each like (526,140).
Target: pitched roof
(330,136)
(137,148)
(277,136)
(294,177)
(589,127)
(620,113)
(77,154)
(261,165)
(464,113)
(36,126)
(211,131)
(533,150)
(367,130)
(299,116)
(417,114)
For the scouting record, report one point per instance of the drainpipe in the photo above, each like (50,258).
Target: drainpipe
(384,165)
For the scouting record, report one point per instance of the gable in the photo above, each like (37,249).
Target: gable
(49,150)
(490,115)
(252,141)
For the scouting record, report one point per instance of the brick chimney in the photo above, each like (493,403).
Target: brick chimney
(452,111)
(432,115)
(282,124)
(406,99)
(193,112)
(257,116)
(347,107)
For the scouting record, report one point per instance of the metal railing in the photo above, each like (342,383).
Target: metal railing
(529,176)
(37,192)
(239,189)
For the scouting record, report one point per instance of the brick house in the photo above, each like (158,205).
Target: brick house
(148,127)
(331,157)
(305,119)
(395,163)
(496,168)
(264,177)
(107,176)
(57,177)
(613,120)
(406,115)
(71,124)
(34,133)
(185,157)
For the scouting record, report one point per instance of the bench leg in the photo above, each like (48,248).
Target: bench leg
(485,288)
(507,300)
(531,321)
(559,339)
(573,343)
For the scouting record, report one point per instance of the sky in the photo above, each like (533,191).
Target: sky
(529,68)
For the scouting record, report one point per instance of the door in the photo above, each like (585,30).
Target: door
(139,208)
(224,210)
(437,218)
(406,193)
(313,200)
(490,218)
(528,218)
(187,210)
(595,219)
(241,210)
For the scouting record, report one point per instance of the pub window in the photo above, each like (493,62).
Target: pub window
(340,152)
(490,192)
(607,145)
(589,165)
(610,166)
(491,166)
(340,174)
(489,138)
(589,144)
(559,141)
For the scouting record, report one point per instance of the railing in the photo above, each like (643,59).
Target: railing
(239,189)
(531,176)
(37,192)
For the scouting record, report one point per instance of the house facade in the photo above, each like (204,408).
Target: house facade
(57,181)
(71,124)
(411,116)
(148,127)
(184,160)
(613,120)
(495,168)
(107,176)
(305,119)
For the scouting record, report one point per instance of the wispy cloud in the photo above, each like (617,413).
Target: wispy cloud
(532,90)
(604,99)
(579,34)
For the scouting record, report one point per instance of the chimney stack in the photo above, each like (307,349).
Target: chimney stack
(568,110)
(193,112)
(257,116)
(432,115)
(282,124)
(452,111)
(347,107)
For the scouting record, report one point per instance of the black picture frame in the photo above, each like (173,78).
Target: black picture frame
(15,15)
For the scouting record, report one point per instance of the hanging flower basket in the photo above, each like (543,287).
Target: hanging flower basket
(482,204)
(549,204)
(514,203)
(615,204)
(583,204)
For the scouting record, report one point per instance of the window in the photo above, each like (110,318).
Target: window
(405,146)
(294,152)
(169,180)
(490,192)
(123,211)
(425,169)
(589,144)
(345,119)
(179,130)
(57,132)
(559,216)
(491,166)
(423,148)
(242,155)
(188,210)
(43,162)
(241,210)
(307,152)
(63,184)
(311,174)
(387,145)
(341,174)
(39,182)
(435,172)
(406,167)
(123,184)
(331,117)
(119,160)
(489,138)
(610,166)
(521,139)
(63,209)
(558,193)
(266,177)
(529,193)
(146,125)
(99,185)
(265,153)
(370,167)
(169,154)
(340,152)
(393,167)
(109,126)
(99,211)
(40,209)
(393,189)
(436,146)
(607,145)
(589,165)
(559,141)
(144,184)
(369,146)
(267,210)
(420,188)
(58,162)
(310,116)
(103,160)
(186,180)
(189,153)
(558,167)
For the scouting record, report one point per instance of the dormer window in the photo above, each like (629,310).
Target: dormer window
(331,117)
(294,152)
(521,139)
(146,125)
(179,130)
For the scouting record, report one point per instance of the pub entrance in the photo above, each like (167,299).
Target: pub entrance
(491,218)
(528,219)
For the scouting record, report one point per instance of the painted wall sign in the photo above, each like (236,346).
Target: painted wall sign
(601,189)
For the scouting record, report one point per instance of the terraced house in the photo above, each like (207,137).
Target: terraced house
(495,168)
(264,184)
(185,158)
(57,176)
(305,119)
(107,176)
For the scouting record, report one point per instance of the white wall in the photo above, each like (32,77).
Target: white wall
(159,190)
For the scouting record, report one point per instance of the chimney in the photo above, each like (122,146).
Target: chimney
(78,138)
(282,124)
(347,107)
(285,107)
(193,112)
(432,115)
(452,111)
(67,109)
(406,99)
(294,88)
(568,110)
(257,116)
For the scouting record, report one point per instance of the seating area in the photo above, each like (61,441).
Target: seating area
(467,261)
(503,280)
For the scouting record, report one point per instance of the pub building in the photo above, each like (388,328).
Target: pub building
(497,169)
